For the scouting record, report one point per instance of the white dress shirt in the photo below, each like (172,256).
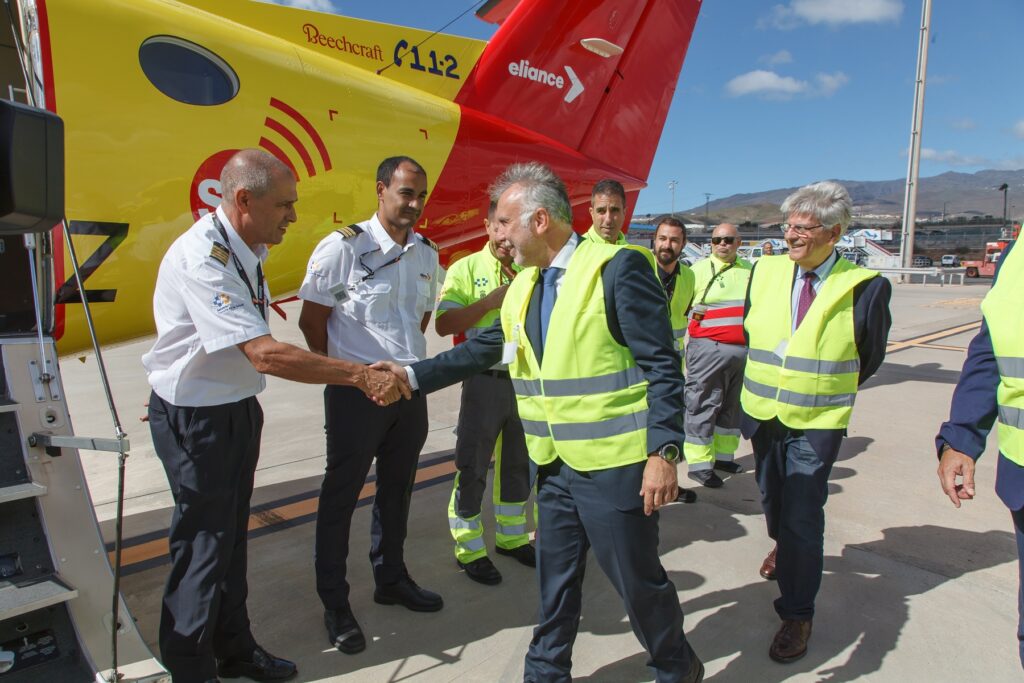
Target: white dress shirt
(379,290)
(203,310)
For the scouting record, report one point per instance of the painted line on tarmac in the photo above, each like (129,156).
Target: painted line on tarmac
(941,347)
(932,336)
(146,551)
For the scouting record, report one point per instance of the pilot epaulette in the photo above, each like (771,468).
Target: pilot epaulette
(427,241)
(219,253)
(349,231)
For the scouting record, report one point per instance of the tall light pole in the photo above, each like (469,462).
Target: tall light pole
(672,188)
(1004,188)
(944,211)
(914,156)
(707,200)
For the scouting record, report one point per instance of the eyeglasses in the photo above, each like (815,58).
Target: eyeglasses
(719,240)
(801,229)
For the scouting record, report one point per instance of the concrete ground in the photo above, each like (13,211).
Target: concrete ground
(914,590)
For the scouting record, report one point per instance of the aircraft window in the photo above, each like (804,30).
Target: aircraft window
(187,72)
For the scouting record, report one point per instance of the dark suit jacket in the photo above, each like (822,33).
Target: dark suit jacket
(973,411)
(871,323)
(637,318)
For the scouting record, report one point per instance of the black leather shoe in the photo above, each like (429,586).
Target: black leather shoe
(728,466)
(481,570)
(687,495)
(260,666)
(524,554)
(406,593)
(707,478)
(343,631)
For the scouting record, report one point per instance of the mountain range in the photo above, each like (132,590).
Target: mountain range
(955,194)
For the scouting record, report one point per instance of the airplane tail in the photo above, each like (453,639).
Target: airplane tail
(597,76)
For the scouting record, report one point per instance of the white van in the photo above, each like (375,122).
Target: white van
(950,261)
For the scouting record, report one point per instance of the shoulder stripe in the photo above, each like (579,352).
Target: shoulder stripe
(427,241)
(349,231)
(219,253)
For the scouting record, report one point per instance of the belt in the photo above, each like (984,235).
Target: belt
(502,374)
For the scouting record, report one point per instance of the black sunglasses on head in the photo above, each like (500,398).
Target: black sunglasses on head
(719,240)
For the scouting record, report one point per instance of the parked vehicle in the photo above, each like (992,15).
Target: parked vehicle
(950,261)
(921,261)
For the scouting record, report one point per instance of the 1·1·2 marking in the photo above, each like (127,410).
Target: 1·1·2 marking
(448,62)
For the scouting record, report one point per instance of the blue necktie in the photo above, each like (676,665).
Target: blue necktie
(547,300)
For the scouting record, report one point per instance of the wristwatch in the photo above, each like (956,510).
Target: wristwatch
(669,452)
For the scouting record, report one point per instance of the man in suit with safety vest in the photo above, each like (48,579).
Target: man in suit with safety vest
(604,434)
(489,423)
(715,356)
(816,329)
(991,388)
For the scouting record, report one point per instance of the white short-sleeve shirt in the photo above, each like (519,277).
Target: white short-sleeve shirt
(379,290)
(203,309)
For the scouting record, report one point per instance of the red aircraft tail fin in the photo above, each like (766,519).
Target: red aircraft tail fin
(595,76)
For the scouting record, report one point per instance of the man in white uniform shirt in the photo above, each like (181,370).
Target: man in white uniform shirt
(212,349)
(368,294)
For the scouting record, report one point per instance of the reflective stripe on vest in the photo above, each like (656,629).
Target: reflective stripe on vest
(813,383)
(591,414)
(1004,317)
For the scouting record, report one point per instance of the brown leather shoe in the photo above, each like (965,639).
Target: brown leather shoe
(768,566)
(790,642)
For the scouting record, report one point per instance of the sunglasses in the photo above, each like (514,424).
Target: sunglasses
(719,240)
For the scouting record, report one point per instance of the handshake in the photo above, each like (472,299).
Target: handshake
(384,382)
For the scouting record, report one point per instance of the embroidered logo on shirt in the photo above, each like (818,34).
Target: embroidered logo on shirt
(222,303)
(315,270)
(480,282)
(219,253)
(425,276)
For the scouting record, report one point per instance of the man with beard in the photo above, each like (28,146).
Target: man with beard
(715,356)
(368,294)
(817,327)
(677,280)
(488,420)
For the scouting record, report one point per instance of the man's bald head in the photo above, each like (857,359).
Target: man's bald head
(251,169)
(725,240)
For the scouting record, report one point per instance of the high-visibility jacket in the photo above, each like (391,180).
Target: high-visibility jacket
(470,279)
(722,287)
(594,236)
(807,378)
(679,304)
(1005,320)
(588,403)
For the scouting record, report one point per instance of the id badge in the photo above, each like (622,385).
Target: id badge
(339,292)
(509,349)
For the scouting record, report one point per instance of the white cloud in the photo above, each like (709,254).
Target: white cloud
(780,57)
(766,84)
(772,86)
(829,83)
(967,123)
(315,5)
(1018,129)
(832,13)
(952,158)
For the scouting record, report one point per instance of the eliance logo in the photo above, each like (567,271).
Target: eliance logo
(522,69)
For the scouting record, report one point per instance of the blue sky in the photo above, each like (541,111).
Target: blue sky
(781,94)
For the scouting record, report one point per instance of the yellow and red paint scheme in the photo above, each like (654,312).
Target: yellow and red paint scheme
(332,96)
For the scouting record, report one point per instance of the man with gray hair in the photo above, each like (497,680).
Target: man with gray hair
(212,350)
(603,435)
(816,327)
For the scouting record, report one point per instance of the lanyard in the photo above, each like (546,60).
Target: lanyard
(259,302)
(714,276)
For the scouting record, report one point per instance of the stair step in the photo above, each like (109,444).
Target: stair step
(28,596)
(18,491)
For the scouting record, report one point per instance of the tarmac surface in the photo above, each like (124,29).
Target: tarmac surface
(914,590)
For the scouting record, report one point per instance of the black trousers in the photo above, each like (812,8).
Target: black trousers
(209,455)
(358,430)
(793,478)
(603,510)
